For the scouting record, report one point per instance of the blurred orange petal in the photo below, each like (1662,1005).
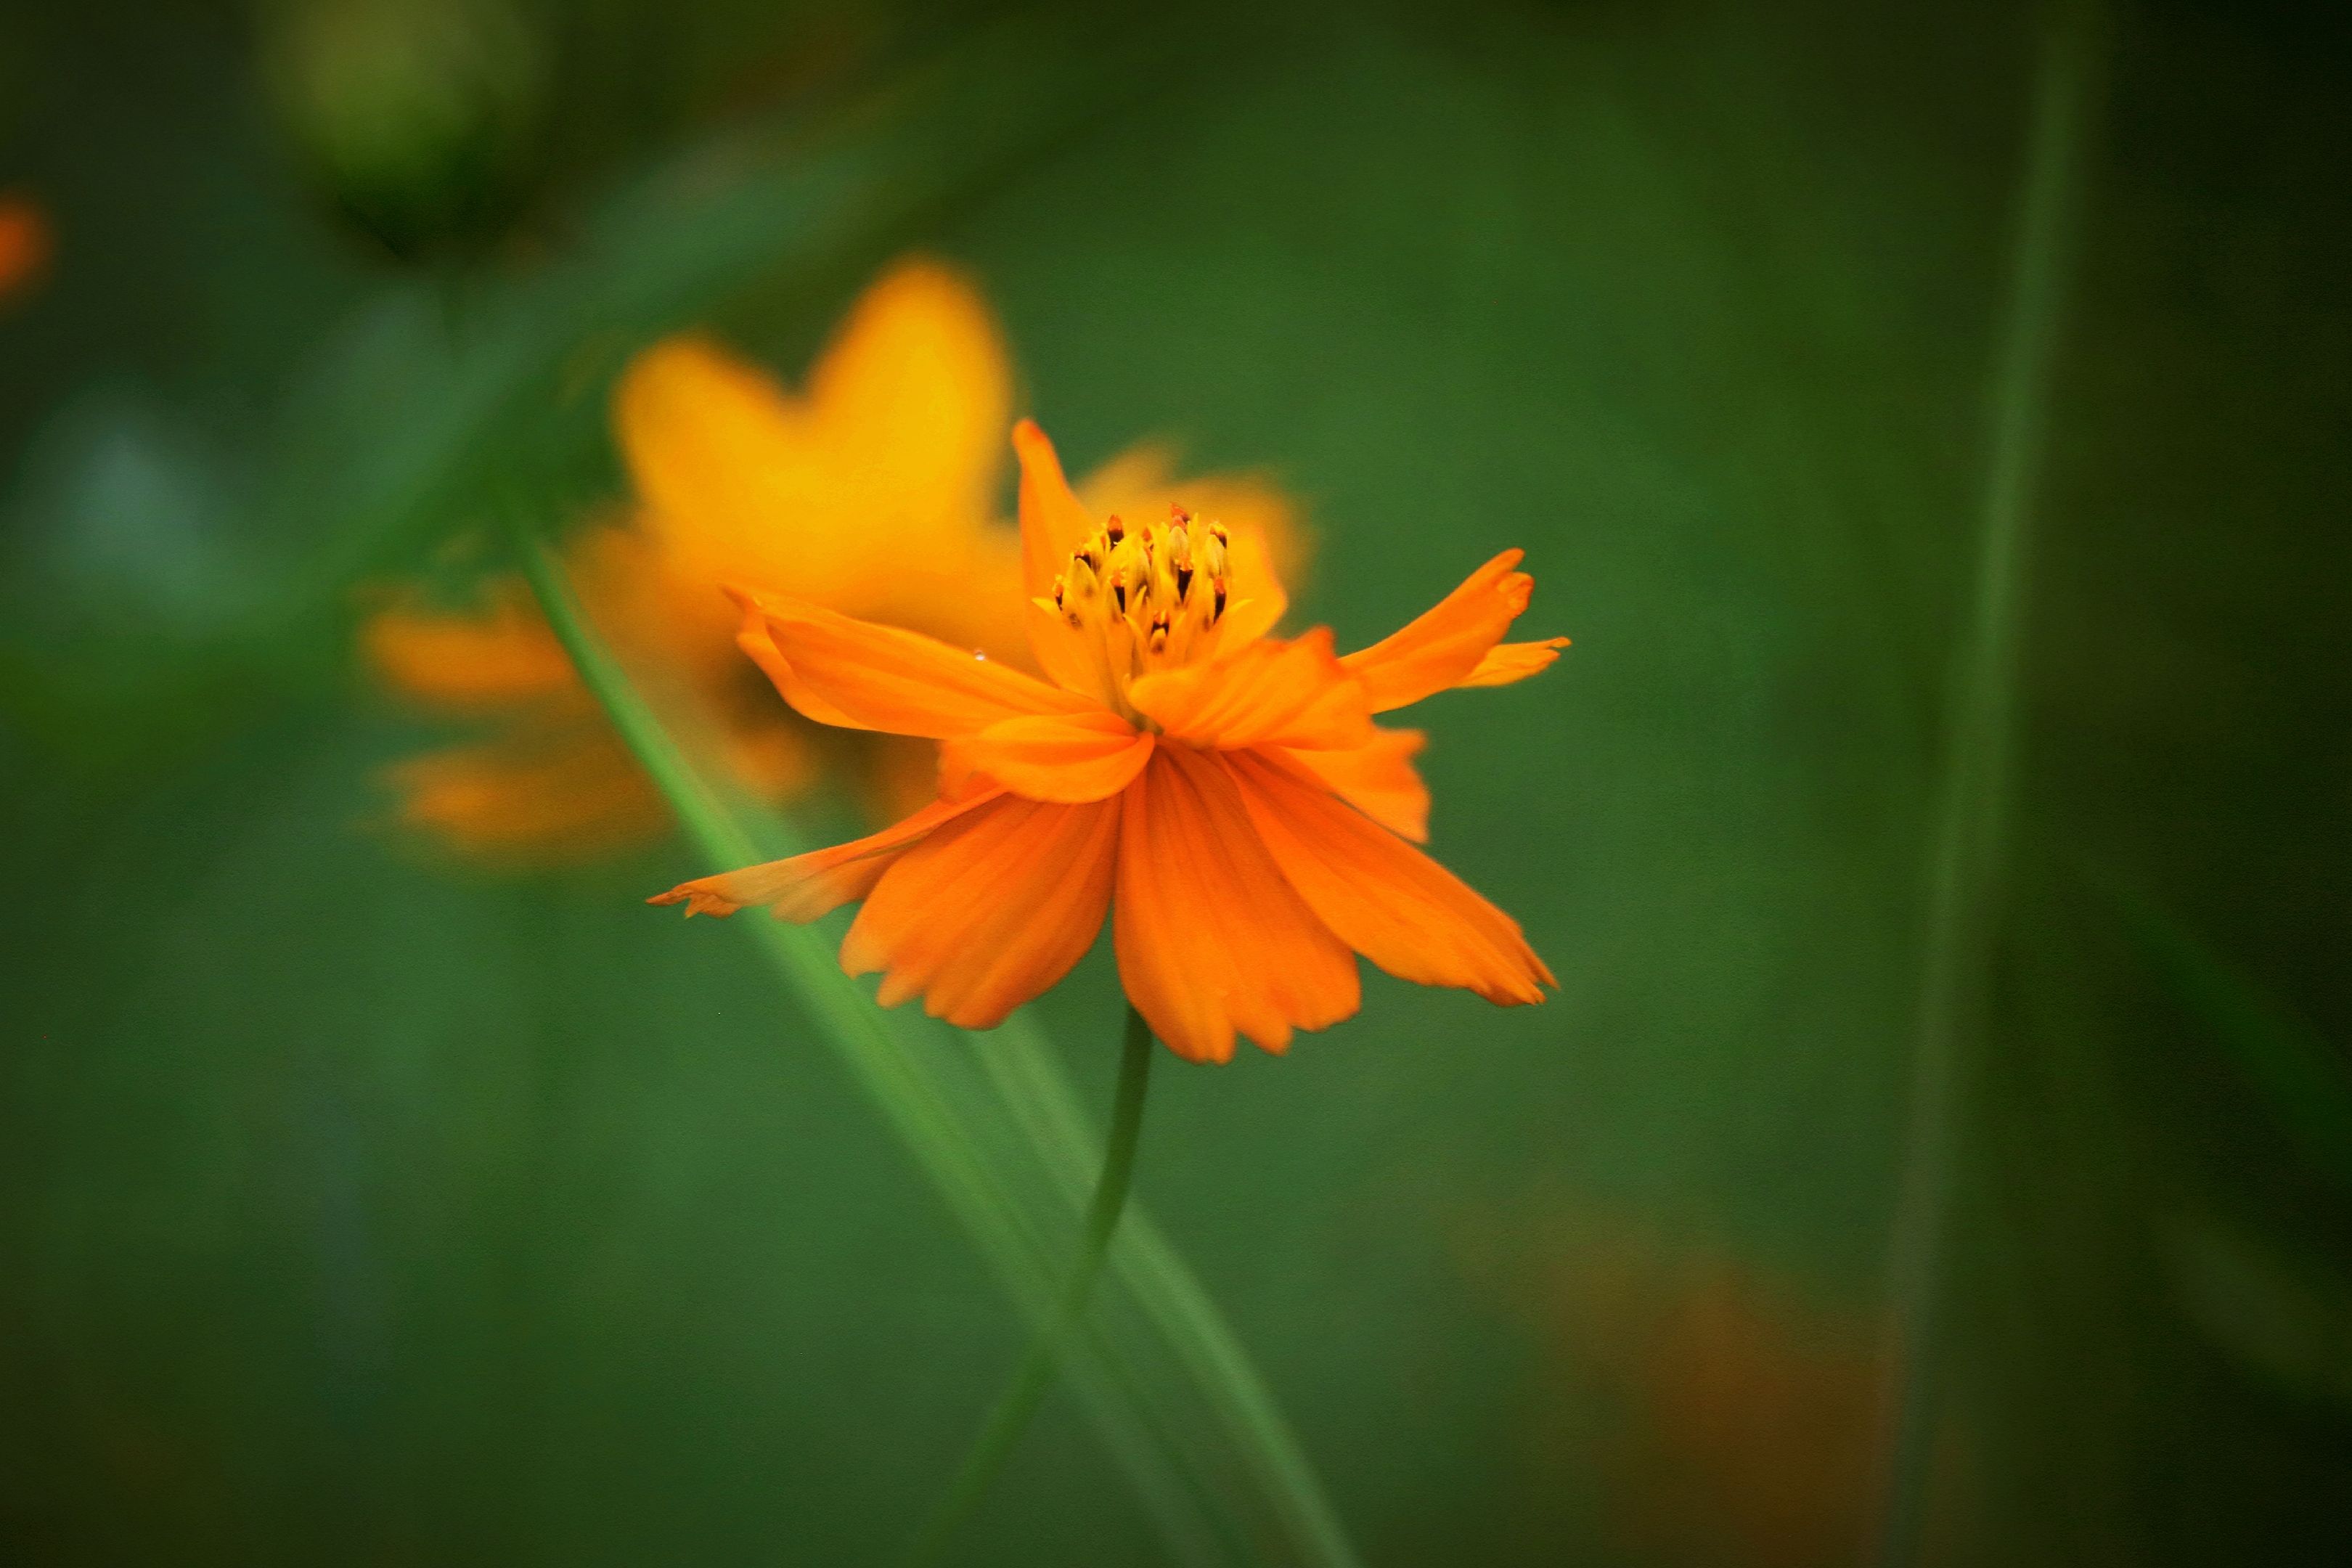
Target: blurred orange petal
(26,243)
(911,400)
(487,658)
(868,494)
(576,797)
(886,460)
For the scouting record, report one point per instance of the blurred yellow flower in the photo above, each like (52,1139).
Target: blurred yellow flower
(24,243)
(871,493)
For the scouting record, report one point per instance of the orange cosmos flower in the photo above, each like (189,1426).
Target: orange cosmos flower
(871,494)
(1226,791)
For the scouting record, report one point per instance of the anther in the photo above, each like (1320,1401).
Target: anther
(1116,529)
(1213,550)
(1178,513)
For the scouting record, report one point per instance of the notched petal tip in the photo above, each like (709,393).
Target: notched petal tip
(1381,896)
(801,888)
(1506,663)
(1447,644)
(697,900)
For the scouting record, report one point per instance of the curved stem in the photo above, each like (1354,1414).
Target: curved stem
(1036,1374)
(1966,845)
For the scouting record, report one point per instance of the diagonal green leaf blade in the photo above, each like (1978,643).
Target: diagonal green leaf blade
(1234,1487)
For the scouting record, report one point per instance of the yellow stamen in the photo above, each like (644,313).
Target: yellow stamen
(1134,597)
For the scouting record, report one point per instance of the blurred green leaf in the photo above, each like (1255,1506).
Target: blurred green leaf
(2289,1320)
(414,112)
(1234,1487)
(2305,1082)
(1967,845)
(392,435)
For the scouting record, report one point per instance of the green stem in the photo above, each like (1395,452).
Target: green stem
(1178,1342)
(1020,1399)
(705,818)
(1969,824)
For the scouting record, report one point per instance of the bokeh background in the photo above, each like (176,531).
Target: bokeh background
(363,1202)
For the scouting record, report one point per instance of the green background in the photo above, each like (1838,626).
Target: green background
(358,1204)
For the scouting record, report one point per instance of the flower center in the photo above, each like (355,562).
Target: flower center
(1145,599)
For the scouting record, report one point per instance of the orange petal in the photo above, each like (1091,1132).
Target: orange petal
(859,676)
(806,886)
(487,660)
(1383,898)
(1068,758)
(1378,779)
(761,648)
(1211,937)
(1053,520)
(1514,661)
(1443,646)
(1053,524)
(989,912)
(1292,693)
